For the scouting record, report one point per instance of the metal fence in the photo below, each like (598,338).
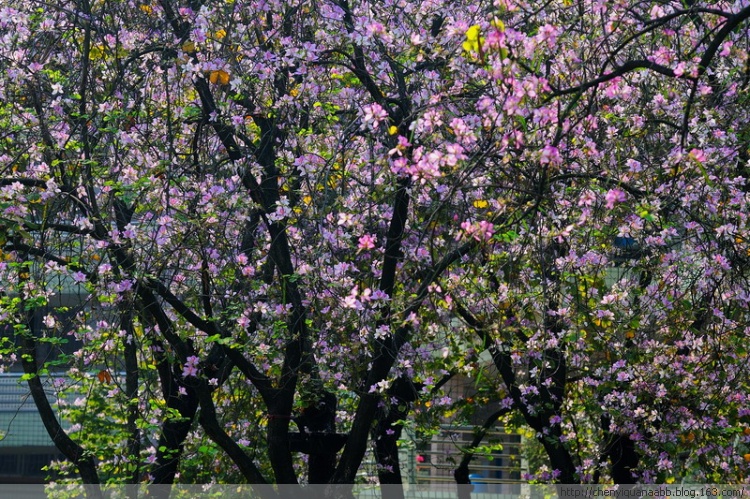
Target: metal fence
(25,445)
(20,422)
(496,470)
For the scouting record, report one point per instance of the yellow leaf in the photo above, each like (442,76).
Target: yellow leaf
(188,47)
(220,77)
(96,52)
(104,376)
(472,34)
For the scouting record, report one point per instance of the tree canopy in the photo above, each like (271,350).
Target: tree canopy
(295,219)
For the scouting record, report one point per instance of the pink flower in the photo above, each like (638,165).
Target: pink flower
(366,242)
(122,286)
(351,301)
(482,231)
(374,113)
(587,198)
(698,155)
(615,196)
(191,367)
(550,155)
(548,33)
(189,370)
(243,321)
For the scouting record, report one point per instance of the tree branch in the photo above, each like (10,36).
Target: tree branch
(625,68)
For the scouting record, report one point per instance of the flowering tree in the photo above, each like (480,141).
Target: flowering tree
(231,188)
(612,293)
(278,211)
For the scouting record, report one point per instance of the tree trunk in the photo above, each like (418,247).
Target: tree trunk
(70,449)
(622,454)
(461,474)
(173,435)
(131,391)
(548,402)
